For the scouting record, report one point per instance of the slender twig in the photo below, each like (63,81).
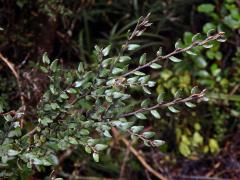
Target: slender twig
(10,65)
(123,166)
(176,51)
(167,104)
(141,26)
(15,73)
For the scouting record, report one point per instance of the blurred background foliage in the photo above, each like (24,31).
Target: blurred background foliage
(69,29)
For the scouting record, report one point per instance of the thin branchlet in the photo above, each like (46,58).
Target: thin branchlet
(139,29)
(166,104)
(176,51)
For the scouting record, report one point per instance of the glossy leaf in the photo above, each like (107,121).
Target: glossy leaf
(174,59)
(143,59)
(155,66)
(140,116)
(96,157)
(155,114)
(172,109)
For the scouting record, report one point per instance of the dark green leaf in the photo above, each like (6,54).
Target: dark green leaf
(45,58)
(143,59)
(53,66)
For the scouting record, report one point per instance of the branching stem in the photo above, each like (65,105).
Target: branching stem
(176,51)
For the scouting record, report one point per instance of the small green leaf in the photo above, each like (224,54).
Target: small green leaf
(210,32)
(84,132)
(145,103)
(54,106)
(80,67)
(132,80)
(17,132)
(132,47)
(126,125)
(194,90)
(207,46)
(64,96)
(191,53)
(143,59)
(97,48)
(222,39)
(124,59)
(100,147)
(12,152)
(53,65)
(148,135)
(72,91)
(88,149)
(117,95)
(52,89)
(92,142)
(172,109)
(139,73)
(110,82)
(206,8)
(116,71)
(151,83)
(140,116)
(184,149)
(158,143)
(107,134)
(96,157)
(78,83)
(106,50)
(155,114)
(72,140)
(197,139)
(106,62)
(174,59)
(137,129)
(178,94)
(213,145)
(160,98)
(144,79)
(44,69)
(45,121)
(178,44)
(45,58)
(159,52)
(155,66)
(146,143)
(196,37)
(146,90)
(8,117)
(189,104)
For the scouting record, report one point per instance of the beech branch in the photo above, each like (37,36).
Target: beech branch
(177,51)
(166,104)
